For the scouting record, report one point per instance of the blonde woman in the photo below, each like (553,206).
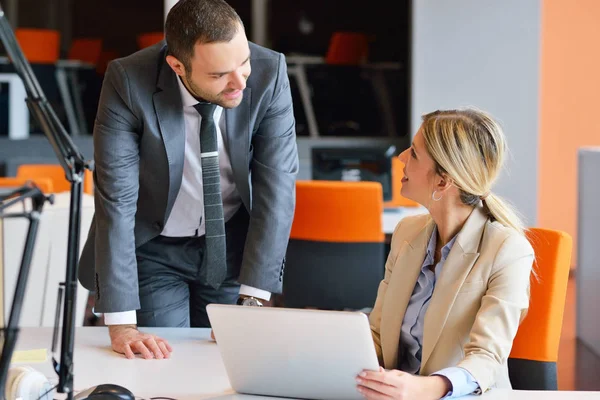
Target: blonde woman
(456,284)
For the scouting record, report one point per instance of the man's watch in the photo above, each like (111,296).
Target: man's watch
(249,301)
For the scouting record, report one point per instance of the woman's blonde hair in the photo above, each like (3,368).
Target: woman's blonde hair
(468,146)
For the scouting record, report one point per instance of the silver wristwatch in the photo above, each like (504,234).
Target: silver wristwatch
(249,301)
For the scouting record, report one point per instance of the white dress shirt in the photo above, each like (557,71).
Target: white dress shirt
(186,218)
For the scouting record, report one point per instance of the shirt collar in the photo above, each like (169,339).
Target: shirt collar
(186,97)
(190,101)
(433,242)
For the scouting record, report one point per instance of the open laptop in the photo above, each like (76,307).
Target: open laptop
(308,354)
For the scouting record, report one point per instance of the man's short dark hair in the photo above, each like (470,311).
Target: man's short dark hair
(204,21)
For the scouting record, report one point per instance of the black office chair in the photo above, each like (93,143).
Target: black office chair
(335,258)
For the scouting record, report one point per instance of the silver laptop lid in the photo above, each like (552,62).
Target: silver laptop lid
(309,354)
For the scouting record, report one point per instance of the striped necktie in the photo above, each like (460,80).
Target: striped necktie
(214,265)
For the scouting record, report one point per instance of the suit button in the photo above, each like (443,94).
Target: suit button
(157,225)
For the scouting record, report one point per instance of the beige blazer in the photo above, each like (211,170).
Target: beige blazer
(479,300)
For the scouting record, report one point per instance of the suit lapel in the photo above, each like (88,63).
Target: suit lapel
(399,292)
(169,112)
(238,135)
(456,268)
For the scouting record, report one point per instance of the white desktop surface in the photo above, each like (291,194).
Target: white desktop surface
(391,217)
(194,371)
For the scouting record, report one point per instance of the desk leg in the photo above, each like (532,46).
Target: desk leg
(63,87)
(299,73)
(76,91)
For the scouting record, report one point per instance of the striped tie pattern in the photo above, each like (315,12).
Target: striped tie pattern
(214,266)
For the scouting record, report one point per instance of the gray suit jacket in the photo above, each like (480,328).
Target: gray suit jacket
(139,143)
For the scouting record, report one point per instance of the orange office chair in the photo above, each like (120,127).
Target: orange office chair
(56,174)
(86,49)
(532,361)
(40,46)
(149,39)
(45,184)
(335,258)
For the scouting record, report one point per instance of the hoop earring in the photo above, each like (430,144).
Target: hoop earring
(434,198)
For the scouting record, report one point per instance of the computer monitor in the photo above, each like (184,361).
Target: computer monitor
(355,164)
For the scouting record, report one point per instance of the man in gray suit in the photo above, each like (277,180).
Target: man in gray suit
(155,254)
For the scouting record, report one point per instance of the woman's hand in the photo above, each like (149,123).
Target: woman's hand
(394,384)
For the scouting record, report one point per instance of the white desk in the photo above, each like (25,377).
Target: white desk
(392,217)
(48,264)
(195,370)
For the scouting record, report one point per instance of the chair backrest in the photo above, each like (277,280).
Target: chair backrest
(45,184)
(532,361)
(149,39)
(39,45)
(351,205)
(348,48)
(86,49)
(335,258)
(55,173)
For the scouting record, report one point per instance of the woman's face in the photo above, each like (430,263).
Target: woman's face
(420,177)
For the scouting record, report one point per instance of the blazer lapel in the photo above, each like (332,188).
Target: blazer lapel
(456,268)
(169,112)
(238,135)
(400,289)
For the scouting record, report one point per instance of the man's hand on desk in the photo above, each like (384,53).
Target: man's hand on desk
(127,340)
